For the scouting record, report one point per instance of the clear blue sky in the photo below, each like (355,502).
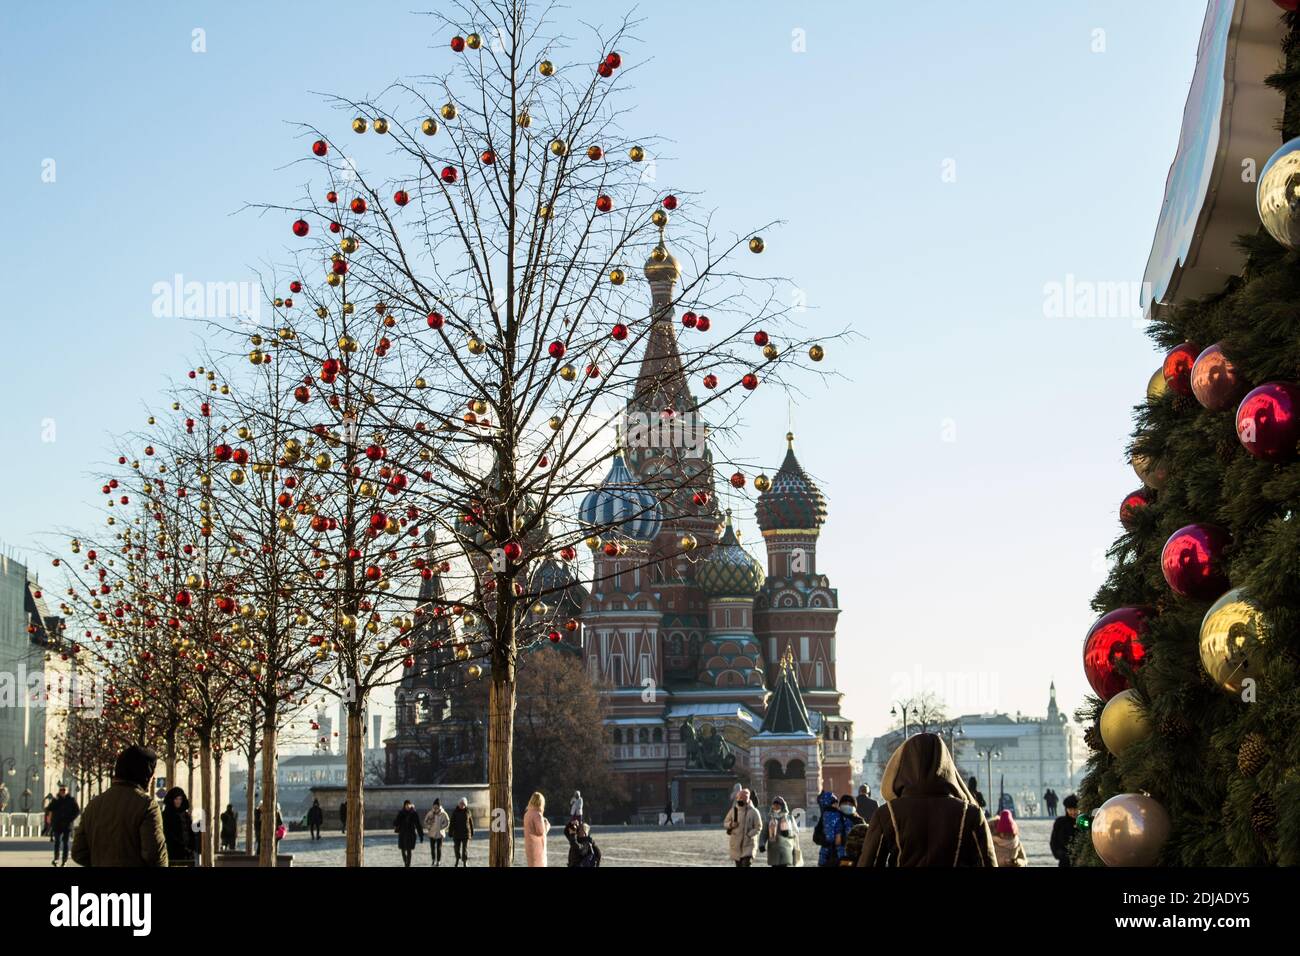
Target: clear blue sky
(970,561)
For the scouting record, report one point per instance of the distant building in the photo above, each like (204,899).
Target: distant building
(1025,756)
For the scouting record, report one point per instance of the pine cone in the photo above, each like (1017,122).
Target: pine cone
(1174,727)
(1092,737)
(1263,814)
(1252,755)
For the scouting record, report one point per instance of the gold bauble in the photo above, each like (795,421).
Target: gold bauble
(286,524)
(429,126)
(1233,640)
(762,482)
(1157,387)
(756,244)
(448,111)
(687,542)
(359,124)
(556,423)
(593,542)
(237,477)
(479,406)
(1129,829)
(366,490)
(816,353)
(381,125)
(475,346)
(348,244)
(474,671)
(348,308)
(770,351)
(473,41)
(347,343)
(544,212)
(659,218)
(287,334)
(546,68)
(323,461)
(617,276)
(636,154)
(524,120)
(568,372)
(321,311)
(1123,722)
(421,383)
(243,432)
(333,279)
(559,147)
(255,357)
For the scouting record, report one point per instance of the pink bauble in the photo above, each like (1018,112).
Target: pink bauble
(1192,561)
(1268,421)
(1215,382)
(1114,641)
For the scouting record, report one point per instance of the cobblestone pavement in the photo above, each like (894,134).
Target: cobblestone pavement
(619,846)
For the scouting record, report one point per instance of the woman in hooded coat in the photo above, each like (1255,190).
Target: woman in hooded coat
(1006,841)
(176,828)
(930,817)
(408,829)
(780,836)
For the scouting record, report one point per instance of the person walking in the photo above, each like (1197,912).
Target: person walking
(930,817)
(575,806)
(229,827)
(315,817)
(853,831)
(536,826)
(973,786)
(123,825)
(1049,799)
(436,822)
(743,825)
(462,831)
(668,813)
(827,829)
(257,827)
(582,848)
(45,814)
(1063,831)
(780,837)
(867,806)
(1006,841)
(407,827)
(343,816)
(177,828)
(63,811)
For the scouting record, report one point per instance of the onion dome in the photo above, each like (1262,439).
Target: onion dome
(621,505)
(662,265)
(728,570)
(793,502)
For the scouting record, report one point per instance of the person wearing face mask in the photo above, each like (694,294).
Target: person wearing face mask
(848,843)
(780,838)
(743,824)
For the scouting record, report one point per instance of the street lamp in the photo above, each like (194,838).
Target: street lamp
(894,713)
(988,755)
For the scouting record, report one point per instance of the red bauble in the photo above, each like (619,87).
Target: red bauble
(1268,421)
(750,381)
(710,381)
(568,552)
(320,147)
(336,227)
(300,228)
(222,452)
(604,203)
(182,598)
(613,61)
(331,196)
(373,573)
(701,498)
(449,174)
(619,331)
(302,393)
(670,202)
(1177,367)
(593,370)
(1192,561)
(487,157)
(358,205)
(738,480)
(340,266)
(556,349)
(378,520)
(458,44)
(702,323)
(295,286)
(1115,640)
(513,550)
(435,320)
(401,197)
(605,69)
(240,456)
(1133,502)
(689,319)
(760,337)
(610,549)
(554,636)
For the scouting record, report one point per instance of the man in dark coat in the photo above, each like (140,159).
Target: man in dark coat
(123,825)
(867,807)
(1049,798)
(315,817)
(63,811)
(343,816)
(973,785)
(229,827)
(462,831)
(1063,831)
(407,827)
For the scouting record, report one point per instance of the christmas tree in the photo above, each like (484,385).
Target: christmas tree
(1197,656)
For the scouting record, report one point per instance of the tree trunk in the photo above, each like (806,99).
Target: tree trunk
(214,838)
(356,795)
(205,811)
(501,726)
(250,786)
(267,855)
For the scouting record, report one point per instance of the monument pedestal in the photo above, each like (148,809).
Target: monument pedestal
(704,796)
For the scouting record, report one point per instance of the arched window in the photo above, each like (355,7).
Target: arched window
(773,769)
(618,736)
(794,770)
(643,736)
(658,735)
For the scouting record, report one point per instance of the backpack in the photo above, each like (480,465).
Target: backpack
(819,834)
(587,855)
(853,843)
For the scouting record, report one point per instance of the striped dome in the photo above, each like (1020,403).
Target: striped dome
(793,502)
(620,504)
(728,570)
